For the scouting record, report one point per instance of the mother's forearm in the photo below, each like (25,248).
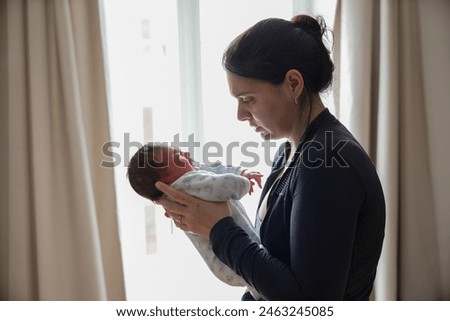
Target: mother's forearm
(272,278)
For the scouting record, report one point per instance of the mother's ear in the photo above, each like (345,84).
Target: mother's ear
(294,80)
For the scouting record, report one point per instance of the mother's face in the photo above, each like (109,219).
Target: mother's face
(269,109)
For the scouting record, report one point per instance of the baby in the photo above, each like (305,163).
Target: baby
(158,162)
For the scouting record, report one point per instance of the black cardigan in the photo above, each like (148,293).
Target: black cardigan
(324,228)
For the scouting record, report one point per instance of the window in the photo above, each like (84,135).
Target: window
(166,82)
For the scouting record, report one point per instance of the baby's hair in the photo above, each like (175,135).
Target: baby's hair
(144,171)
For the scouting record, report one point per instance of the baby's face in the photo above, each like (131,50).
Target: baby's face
(178,163)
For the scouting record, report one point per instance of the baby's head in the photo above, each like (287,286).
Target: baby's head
(156,162)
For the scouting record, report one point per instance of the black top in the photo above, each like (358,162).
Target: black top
(324,228)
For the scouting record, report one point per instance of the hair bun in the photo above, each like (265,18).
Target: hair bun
(310,25)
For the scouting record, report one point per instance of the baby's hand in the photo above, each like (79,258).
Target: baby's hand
(252,177)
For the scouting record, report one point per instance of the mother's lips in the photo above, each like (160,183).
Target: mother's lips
(258,129)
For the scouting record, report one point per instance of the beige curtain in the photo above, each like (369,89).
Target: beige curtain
(380,96)
(58,225)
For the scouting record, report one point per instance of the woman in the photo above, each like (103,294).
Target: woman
(321,215)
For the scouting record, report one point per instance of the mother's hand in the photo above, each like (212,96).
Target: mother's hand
(190,213)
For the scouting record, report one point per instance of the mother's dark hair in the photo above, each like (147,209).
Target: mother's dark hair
(272,47)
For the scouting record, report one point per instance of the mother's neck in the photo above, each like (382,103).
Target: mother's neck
(317,107)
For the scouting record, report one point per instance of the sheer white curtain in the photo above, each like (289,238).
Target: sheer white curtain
(58,226)
(167,81)
(380,96)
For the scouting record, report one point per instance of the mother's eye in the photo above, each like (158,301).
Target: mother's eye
(246,100)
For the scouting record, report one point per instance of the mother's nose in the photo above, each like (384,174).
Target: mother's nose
(242,113)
